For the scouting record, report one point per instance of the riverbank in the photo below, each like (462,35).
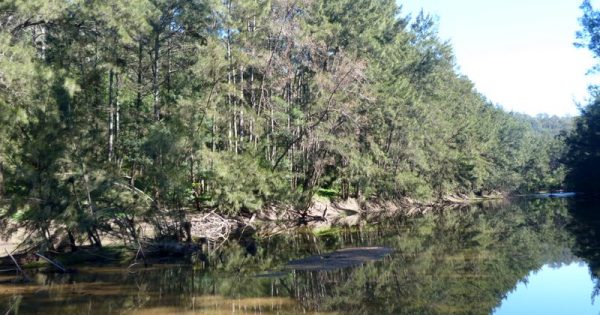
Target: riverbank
(205,233)
(327,213)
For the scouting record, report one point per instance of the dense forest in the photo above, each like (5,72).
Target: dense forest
(116,111)
(582,154)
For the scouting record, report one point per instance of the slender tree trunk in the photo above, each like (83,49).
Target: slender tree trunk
(229,134)
(231,120)
(241,109)
(253,102)
(92,230)
(293,179)
(253,137)
(234,117)
(156,76)
(389,140)
(288,99)
(195,185)
(111,116)
(117,114)
(272,131)
(168,74)
(1,179)
(139,77)
(213,133)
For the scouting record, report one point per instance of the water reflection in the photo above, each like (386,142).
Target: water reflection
(456,261)
(552,291)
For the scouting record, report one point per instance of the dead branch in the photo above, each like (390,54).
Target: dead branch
(55,264)
(17,265)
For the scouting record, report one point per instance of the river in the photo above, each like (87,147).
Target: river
(536,256)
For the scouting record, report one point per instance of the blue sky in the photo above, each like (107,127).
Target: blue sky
(519,53)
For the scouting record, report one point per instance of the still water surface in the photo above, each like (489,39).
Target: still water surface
(537,256)
(553,290)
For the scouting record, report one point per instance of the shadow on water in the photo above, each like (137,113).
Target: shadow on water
(453,261)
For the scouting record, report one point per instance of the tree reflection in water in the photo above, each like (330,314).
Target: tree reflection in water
(461,261)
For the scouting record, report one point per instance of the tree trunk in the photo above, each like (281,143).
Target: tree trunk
(117,114)
(139,77)
(357,192)
(241,109)
(92,230)
(156,76)
(72,240)
(345,189)
(230,121)
(213,132)
(1,179)
(111,116)
(195,185)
